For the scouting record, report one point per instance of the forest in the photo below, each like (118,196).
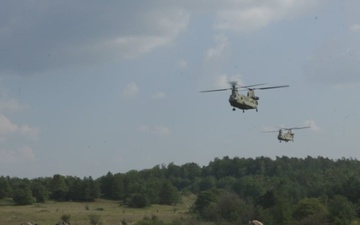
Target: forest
(301,191)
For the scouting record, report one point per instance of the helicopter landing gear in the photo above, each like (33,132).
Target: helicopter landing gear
(256,109)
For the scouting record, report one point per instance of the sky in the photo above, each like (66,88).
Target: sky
(90,87)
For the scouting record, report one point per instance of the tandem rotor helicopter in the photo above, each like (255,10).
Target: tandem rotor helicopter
(244,102)
(286,134)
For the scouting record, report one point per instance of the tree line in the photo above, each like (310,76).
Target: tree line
(229,190)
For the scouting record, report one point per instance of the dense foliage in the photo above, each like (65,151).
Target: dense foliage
(279,191)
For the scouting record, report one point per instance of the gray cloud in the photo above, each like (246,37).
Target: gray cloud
(36,36)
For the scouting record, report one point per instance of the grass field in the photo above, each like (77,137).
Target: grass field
(109,212)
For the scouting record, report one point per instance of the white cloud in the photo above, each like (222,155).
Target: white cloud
(19,155)
(221,46)
(355,27)
(6,126)
(312,124)
(28,131)
(132,47)
(130,90)
(161,130)
(143,128)
(156,130)
(8,129)
(159,95)
(243,20)
(10,105)
(251,15)
(223,81)
(183,64)
(27,153)
(215,60)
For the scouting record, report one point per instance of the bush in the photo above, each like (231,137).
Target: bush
(150,221)
(95,219)
(138,201)
(65,218)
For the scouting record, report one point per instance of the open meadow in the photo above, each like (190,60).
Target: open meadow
(108,212)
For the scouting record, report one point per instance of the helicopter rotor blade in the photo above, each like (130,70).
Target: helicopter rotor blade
(296,128)
(253,85)
(270,131)
(235,86)
(265,88)
(223,89)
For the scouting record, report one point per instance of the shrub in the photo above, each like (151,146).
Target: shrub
(65,218)
(95,219)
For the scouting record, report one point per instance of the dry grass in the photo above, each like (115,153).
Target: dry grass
(110,212)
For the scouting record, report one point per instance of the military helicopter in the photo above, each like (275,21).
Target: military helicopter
(286,134)
(244,102)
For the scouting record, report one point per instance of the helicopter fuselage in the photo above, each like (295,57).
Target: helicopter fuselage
(286,136)
(243,102)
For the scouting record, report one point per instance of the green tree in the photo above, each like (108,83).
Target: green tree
(40,192)
(190,171)
(59,188)
(117,187)
(314,219)
(168,194)
(133,183)
(282,211)
(204,202)
(22,195)
(90,189)
(352,188)
(251,186)
(207,183)
(229,207)
(75,189)
(308,207)
(112,186)
(5,188)
(105,185)
(226,183)
(153,188)
(342,211)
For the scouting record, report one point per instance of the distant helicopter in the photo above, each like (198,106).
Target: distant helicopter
(244,102)
(288,135)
